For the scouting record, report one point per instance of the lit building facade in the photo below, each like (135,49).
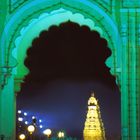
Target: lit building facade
(94,129)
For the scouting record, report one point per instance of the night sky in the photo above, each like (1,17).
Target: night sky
(66,64)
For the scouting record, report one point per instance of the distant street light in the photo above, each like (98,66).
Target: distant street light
(33,117)
(40,120)
(21,136)
(47,132)
(19,111)
(31,129)
(20,119)
(26,122)
(25,114)
(40,126)
(61,135)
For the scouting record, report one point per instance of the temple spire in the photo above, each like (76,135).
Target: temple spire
(94,129)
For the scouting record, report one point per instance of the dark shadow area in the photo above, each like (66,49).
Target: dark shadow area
(70,52)
(66,64)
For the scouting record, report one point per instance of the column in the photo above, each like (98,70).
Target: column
(8,110)
(124,74)
(138,70)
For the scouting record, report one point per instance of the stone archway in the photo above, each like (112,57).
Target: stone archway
(123,62)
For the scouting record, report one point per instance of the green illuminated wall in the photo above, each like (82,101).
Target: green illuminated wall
(118,21)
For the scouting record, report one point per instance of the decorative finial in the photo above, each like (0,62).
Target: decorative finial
(92,94)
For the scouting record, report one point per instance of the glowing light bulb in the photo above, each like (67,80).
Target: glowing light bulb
(20,119)
(25,114)
(40,120)
(31,129)
(21,136)
(47,132)
(33,117)
(19,111)
(41,126)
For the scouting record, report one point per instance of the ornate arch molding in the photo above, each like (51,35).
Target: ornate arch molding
(16,4)
(14,32)
(43,22)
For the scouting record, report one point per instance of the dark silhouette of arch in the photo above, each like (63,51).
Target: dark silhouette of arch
(69,51)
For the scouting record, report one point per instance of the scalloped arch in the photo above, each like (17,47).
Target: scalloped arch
(86,10)
(43,22)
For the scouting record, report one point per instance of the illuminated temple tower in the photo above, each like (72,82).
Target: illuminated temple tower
(94,129)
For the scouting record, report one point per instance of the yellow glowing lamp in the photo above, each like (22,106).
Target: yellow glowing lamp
(21,136)
(47,132)
(31,129)
(61,134)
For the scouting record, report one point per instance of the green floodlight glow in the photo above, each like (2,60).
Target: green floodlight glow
(92,9)
(56,17)
(117,21)
(43,22)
